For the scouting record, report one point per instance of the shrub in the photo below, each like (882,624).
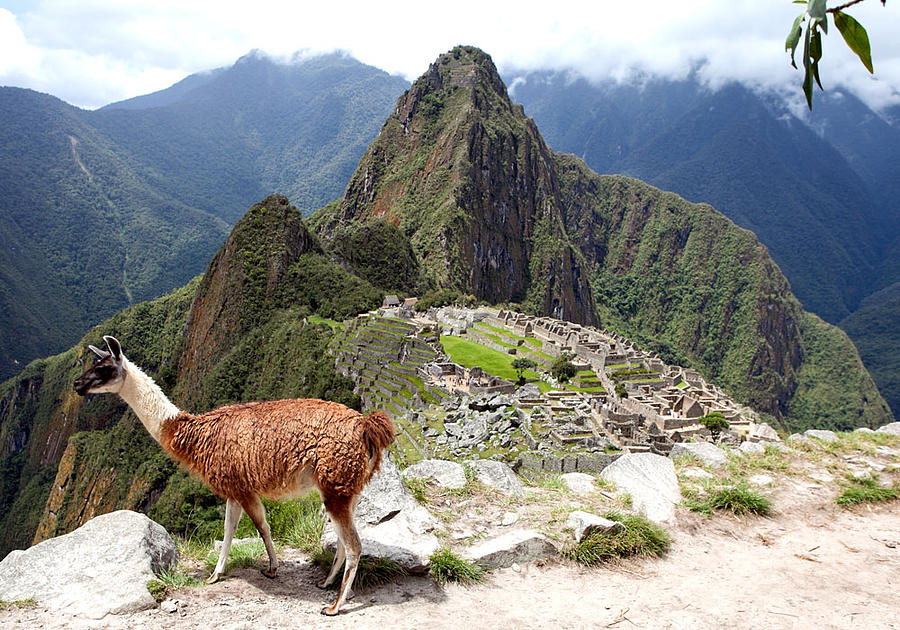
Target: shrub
(639,538)
(447,566)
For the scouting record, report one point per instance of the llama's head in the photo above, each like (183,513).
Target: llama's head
(107,374)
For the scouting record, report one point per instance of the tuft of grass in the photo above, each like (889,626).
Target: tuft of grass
(549,482)
(305,530)
(641,537)
(19,603)
(736,498)
(242,555)
(169,580)
(447,566)
(370,571)
(418,487)
(193,547)
(772,459)
(866,491)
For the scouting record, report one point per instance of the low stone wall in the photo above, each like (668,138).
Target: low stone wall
(554,463)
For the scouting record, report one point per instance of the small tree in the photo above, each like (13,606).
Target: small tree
(563,369)
(520,365)
(715,422)
(621,392)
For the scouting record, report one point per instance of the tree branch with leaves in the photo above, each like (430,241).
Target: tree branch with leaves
(811,24)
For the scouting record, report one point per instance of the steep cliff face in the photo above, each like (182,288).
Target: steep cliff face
(466,176)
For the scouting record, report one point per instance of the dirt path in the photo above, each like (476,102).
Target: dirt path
(810,565)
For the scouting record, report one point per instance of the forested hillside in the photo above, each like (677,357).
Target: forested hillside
(107,208)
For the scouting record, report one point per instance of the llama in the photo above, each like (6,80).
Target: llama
(277,449)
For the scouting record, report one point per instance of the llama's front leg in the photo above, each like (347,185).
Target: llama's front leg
(342,516)
(233,512)
(257,513)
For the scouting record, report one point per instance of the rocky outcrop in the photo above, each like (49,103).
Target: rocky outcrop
(650,481)
(391,523)
(707,453)
(100,568)
(519,546)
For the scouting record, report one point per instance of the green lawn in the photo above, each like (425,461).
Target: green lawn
(318,319)
(470,354)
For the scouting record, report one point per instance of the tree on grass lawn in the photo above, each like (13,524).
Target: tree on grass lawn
(563,369)
(715,422)
(520,365)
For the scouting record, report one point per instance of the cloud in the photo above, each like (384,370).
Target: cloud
(91,52)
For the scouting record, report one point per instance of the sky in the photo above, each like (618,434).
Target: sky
(93,52)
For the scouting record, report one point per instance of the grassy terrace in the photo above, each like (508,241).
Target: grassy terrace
(470,354)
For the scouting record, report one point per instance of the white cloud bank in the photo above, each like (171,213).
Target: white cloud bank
(92,52)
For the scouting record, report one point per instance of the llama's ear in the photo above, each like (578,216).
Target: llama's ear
(114,348)
(100,353)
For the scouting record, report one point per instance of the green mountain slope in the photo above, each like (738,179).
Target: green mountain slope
(106,208)
(241,332)
(83,233)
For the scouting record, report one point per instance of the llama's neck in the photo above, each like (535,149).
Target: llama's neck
(147,400)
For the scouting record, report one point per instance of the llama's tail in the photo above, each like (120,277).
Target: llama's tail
(378,432)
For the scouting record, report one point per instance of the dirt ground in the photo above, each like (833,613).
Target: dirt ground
(810,564)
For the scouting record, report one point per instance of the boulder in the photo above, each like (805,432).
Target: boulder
(821,434)
(764,431)
(497,475)
(761,480)
(866,430)
(751,448)
(696,473)
(796,438)
(650,480)
(893,428)
(444,473)
(707,453)
(516,547)
(579,483)
(391,523)
(584,524)
(100,568)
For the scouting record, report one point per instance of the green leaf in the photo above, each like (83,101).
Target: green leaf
(816,9)
(815,54)
(793,37)
(856,37)
(817,14)
(807,74)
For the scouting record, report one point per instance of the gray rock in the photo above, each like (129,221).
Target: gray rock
(761,480)
(444,473)
(864,430)
(893,428)
(796,438)
(509,518)
(584,524)
(764,431)
(516,547)
(100,568)
(752,448)
(821,434)
(497,475)
(391,523)
(709,454)
(579,483)
(696,473)
(650,480)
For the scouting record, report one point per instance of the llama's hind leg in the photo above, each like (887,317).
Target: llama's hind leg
(233,512)
(336,564)
(341,511)
(257,513)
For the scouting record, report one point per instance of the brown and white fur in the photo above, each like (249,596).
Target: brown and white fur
(277,449)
